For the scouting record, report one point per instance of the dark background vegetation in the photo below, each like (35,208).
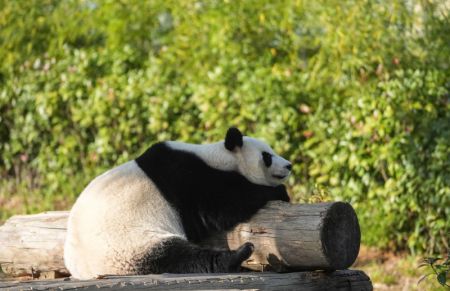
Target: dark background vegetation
(354,93)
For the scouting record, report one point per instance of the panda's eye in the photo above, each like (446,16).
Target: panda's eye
(267,158)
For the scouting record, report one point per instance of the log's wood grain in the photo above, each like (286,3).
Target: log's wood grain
(32,245)
(287,237)
(338,280)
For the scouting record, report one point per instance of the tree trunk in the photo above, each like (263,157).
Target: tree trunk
(287,237)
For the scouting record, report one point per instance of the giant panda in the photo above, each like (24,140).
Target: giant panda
(147,215)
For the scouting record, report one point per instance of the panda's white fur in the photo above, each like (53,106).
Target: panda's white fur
(121,216)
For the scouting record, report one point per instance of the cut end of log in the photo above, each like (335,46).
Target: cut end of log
(341,236)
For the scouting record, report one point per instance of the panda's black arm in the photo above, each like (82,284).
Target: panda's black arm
(264,194)
(224,207)
(280,193)
(236,202)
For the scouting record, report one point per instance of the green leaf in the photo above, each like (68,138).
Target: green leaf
(442,278)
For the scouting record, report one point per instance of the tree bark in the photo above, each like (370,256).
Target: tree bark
(287,237)
(339,280)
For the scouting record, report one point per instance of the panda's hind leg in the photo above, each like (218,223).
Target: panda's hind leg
(177,255)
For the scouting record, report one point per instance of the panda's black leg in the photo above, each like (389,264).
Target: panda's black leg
(180,256)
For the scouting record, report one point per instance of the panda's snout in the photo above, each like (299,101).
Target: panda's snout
(283,172)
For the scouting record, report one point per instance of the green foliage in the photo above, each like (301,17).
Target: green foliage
(438,268)
(355,93)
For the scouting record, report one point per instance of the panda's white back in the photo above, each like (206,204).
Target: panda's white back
(121,215)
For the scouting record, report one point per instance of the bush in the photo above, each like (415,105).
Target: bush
(354,93)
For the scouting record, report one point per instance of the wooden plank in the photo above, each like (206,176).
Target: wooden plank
(338,280)
(286,237)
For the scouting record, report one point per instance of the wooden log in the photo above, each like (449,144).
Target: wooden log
(338,280)
(287,237)
(32,245)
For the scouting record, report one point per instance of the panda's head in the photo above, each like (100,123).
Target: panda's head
(256,160)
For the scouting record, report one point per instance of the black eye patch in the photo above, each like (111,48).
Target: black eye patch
(267,158)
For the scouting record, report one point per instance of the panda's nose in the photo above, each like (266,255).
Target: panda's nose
(288,166)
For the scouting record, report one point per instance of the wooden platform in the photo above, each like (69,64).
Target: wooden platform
(338,280)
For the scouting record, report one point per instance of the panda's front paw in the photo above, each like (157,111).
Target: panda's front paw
(240,255)
(281,193)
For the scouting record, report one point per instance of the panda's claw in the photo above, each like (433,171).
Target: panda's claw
(240,255)
(245,251)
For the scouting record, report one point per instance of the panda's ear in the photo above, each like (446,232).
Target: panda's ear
(233,139)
